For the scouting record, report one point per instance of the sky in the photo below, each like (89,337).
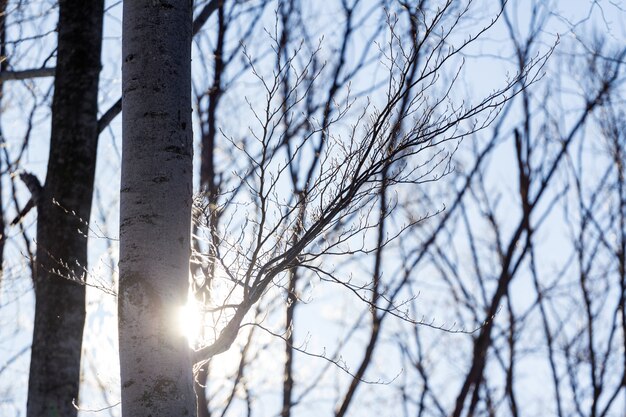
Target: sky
(329,312)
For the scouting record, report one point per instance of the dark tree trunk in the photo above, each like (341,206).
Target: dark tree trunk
(63,212)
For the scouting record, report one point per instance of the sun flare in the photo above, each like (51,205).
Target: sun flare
(190,321)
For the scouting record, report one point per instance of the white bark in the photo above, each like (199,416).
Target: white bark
(156,196)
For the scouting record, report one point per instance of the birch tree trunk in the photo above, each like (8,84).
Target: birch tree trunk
(64,207)
(155,211)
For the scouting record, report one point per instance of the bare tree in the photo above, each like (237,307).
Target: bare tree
(155,208)
(594,361)
(397,143)
(63,208)
(487,260)
(367,235)
(235,25)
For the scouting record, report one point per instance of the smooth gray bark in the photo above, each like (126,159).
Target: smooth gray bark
(64,207)
(198,22)
(155,210)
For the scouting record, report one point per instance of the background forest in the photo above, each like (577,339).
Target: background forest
(400,208)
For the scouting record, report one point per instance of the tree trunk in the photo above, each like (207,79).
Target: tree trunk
(155,208)
(64,207)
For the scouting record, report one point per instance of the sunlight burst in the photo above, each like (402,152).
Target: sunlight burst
(190,321)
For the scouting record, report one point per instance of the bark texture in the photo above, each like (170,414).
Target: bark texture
(63,212)
(155,216)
